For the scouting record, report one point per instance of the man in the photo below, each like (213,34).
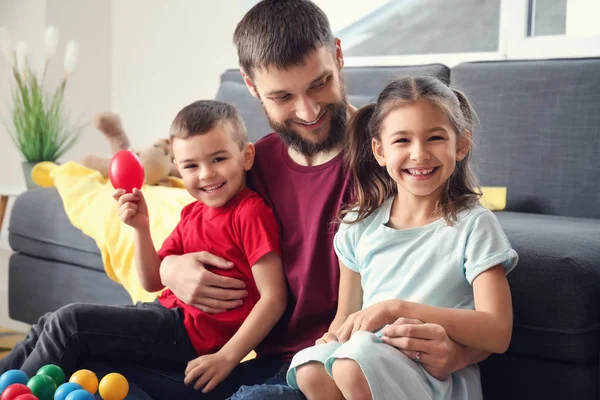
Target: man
(291,61)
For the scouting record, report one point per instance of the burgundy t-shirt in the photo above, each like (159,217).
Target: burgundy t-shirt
(306,201)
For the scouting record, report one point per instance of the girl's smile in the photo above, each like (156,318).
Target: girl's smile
(420,173)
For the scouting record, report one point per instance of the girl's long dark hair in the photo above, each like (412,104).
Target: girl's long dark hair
(371,182)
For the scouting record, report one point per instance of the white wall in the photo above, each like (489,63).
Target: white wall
(88,89)
(582,18)
(166,55)
(25,21)
(144,59)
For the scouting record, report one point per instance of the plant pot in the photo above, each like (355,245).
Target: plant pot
(27,167)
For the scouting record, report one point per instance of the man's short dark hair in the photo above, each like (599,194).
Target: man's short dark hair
(203,115)
(280,33)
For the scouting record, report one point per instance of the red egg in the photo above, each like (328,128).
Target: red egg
(126,171)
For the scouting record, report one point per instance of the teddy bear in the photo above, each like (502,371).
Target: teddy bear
(157,159)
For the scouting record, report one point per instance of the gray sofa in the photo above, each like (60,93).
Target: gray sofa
(539,136)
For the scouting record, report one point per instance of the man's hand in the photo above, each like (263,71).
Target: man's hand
(370,319)
(192,283)
(327,337)
(132,208)
(208,371)
(437,352)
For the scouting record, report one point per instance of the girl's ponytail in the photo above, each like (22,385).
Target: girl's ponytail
(372,185)
(465,108)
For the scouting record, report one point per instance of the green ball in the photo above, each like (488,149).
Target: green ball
(53,371)
(42,386)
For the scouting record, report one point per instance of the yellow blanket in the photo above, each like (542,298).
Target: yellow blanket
(86,196)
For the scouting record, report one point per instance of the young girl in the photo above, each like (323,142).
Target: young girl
(419,257)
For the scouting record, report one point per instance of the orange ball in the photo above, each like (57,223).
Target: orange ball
(114,387)
(87,379)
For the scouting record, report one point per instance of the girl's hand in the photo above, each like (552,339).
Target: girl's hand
(327,337)
(371,319)
(430,341)
(208,371)
(132,208)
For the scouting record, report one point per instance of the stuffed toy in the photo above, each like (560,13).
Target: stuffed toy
(156,159)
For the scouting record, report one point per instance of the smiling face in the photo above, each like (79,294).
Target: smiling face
(419,148)
(305,104)
(212,166)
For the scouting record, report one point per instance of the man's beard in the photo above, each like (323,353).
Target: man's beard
(293,140)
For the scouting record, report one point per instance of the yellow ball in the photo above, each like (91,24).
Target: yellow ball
(41,173)
(114,387)
(87,379)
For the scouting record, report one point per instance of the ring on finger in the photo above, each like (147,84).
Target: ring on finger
(418,356)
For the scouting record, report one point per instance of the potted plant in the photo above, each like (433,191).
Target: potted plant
(39,128)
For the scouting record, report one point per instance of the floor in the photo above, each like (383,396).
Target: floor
(8,339)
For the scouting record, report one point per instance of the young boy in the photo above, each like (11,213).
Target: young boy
(212,153)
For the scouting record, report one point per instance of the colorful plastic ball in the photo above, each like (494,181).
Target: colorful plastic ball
(11,377)
(113,387)
(87,379)
(126,171)
(27,396)
(80,394)
(53,371)
(63,390)
(13,391)
(42,386)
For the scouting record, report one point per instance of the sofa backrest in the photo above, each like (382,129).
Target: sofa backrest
(363,85)
(539,132)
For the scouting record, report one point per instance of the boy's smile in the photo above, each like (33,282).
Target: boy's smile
(212,165)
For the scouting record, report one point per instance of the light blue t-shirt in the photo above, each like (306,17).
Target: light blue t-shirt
(434,264)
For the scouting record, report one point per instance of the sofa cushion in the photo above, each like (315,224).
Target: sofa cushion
(555,286)
(538,132)
(363,85)
(39,285)
(39,227)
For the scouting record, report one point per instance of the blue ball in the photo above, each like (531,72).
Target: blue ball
(63,390)
(80,394)
(11,377)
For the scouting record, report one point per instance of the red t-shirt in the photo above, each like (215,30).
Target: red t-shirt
(242,231)
(306,201)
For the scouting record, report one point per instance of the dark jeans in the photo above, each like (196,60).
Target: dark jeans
(275,388)
(146,342)
(145,333)
(257,379)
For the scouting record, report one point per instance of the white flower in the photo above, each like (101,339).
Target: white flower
(71,57)
(51,41)
(6,45)
(21,55)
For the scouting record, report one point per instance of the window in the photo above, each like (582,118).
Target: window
(426,27)
(547,17)
(397,32)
